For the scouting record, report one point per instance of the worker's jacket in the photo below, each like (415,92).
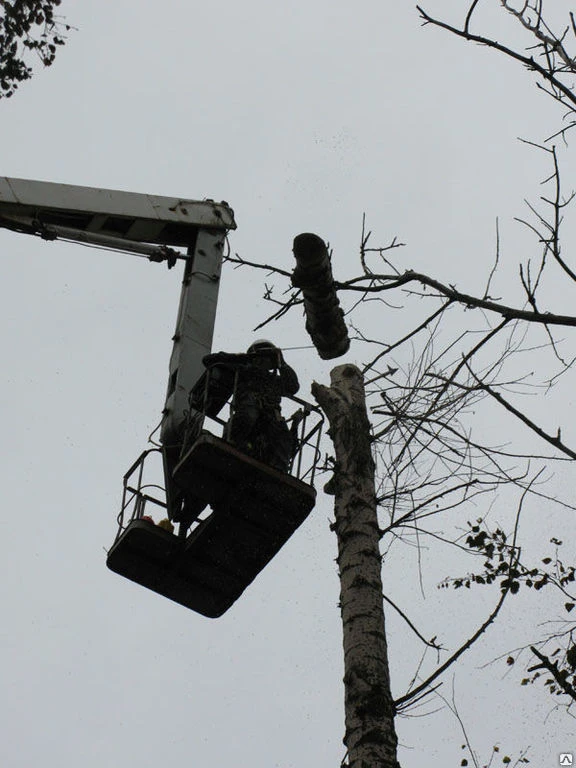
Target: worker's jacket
(262,377)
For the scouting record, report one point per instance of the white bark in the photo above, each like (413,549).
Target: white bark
(370,734)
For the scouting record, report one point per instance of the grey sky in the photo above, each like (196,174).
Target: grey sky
(301,117)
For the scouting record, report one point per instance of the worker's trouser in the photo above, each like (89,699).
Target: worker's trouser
(261,433)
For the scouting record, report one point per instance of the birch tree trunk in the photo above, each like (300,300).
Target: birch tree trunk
(369,710)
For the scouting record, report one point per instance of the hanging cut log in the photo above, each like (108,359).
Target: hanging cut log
(324,316)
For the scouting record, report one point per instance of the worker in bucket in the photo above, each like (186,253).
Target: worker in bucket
(256,425)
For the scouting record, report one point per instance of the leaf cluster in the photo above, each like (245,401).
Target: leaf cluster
(501,562)
(558,669)
(25,26)
(495,758)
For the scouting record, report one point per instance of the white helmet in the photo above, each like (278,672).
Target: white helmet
(261,344)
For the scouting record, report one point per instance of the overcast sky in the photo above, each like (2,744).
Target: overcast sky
(302,116)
